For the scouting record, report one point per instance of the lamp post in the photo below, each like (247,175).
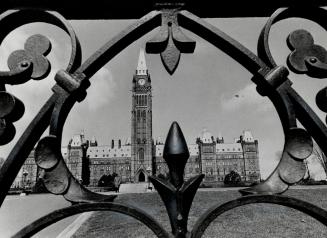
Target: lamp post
(148,170)
(129,173)
(25,173)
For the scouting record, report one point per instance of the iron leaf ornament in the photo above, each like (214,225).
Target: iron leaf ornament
(177,194)
(58,179)
(321,100)
(11,110)
(170,41)
(291,168)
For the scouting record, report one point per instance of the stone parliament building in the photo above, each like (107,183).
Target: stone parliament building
(140,156)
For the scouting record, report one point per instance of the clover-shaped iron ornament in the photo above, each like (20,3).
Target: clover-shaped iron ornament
(177,194)
(170,42)
(23,64)
(307,57)
(35,49)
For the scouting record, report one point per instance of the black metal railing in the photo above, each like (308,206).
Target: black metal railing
(170,42)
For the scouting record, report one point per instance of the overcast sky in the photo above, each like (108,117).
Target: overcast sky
(201,93)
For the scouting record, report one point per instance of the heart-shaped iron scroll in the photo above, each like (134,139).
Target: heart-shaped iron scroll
(177,194)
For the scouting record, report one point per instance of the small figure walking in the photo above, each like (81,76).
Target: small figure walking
(117,182)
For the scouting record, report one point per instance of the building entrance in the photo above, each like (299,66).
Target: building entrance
(141,177)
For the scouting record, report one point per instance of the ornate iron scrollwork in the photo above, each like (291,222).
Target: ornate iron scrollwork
(170,42)
(177,194)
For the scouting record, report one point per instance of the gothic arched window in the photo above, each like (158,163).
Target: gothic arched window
(138,115)
(143,115)
(141,155)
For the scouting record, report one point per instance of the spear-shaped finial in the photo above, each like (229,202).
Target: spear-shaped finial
(176,194)
(176,154)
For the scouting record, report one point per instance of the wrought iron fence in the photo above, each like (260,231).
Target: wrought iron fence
(170,42)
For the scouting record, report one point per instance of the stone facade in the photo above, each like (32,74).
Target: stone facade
(135,159)
(28,173)
(105,160)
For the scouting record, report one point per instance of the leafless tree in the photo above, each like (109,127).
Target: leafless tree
(2,160)
(320,156)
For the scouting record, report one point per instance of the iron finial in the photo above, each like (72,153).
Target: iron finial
(176,154)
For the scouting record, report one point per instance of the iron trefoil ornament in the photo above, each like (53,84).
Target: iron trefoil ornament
(71,86)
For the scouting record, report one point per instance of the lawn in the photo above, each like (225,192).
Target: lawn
(256,220)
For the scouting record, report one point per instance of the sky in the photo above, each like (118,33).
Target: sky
(209,90)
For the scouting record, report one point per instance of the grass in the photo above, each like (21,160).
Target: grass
(255,220)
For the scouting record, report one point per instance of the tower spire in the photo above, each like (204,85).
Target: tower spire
(141,65)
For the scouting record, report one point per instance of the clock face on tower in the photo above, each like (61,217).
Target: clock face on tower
(141,81)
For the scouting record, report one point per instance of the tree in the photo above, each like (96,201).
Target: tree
(320,156)
(2,160)
(106,181)
(39,187)
(114,174)
(164,176)
(233,178)
(161,176)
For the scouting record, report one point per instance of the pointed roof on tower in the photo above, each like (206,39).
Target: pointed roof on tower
(141,65)
(247,136)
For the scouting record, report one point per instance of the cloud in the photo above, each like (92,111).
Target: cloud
(32,93)
(246,97)
(11,43)
(102,89)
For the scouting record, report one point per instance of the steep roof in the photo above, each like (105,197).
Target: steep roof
(206,136)
(247,136)
(108,152)
(77,140)
(141,64)
(193,149)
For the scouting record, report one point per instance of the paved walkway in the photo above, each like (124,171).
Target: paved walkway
(133,188)
(19,211)
(75,225)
